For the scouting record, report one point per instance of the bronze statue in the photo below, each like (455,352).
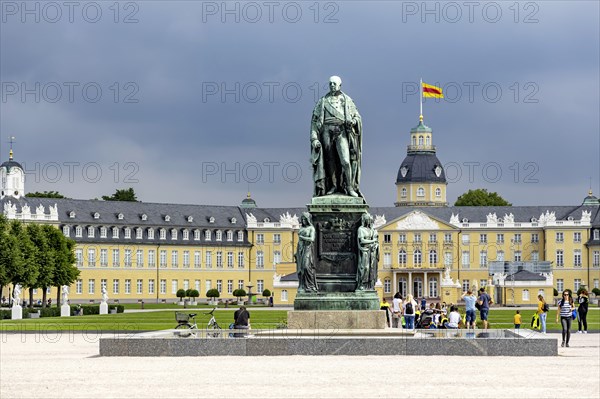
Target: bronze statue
(336,143)
(368,254)
(305,264)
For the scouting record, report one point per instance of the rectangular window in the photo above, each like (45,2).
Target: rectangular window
(208,259)
(197,259)
(139,286)
(483,238)
(577,258)
(276,238)
(482,283)
(500,238)
(116,257)
(127,286)
(186,259)
(151,286)
(92,257)
(276,257)
(535,238)
(139,258)
(103,284)
(559,237)
(387,238)
(596,259)
(173,286)
(163,286)
(517,256)
(432,238)
(447,258)
(186,284)
(260,286)
(483,258)
(465,285)
(79,257)
(559,258)
(115,286)
(432,259)
(535,256)
(241,285)
(91,286)
(466,259)
(219,259)
(448,238)
(197,285)
(220,285)
(260,238)
(260,259)
(79,286)
(560,285)
(230,260)
(284,295)
(163,258)
(241,260)
(417,237)
(402,238)
(517,238)
(525,295)
(208,284)
(465,239)
(576,284)
(387,286)
(128,258)
(230,286)
(596,283)
(500,256)
(151,258)
(387,259)
(174,258)
(104,257)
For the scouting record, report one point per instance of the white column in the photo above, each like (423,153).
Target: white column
(395,283)
(439,284)
(409,289)
(426,288)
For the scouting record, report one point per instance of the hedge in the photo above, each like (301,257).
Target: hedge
(55,311)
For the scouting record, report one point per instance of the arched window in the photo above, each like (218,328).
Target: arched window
(438,192)
(433,287)
(403,191)
(420,192)
(432,257)
(417,257)
(402,257)
(420,140)
(427,140)
(414,140)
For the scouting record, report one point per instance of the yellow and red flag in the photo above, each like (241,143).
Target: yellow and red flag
(432,91)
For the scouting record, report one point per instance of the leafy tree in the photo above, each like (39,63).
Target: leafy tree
(266,293)
(240,292)
(44,259)
(213,293)
(481,197)
(28,272)
(63,253)
(10,254)
(45,194)
(122,195)
(596,291)
(180,294)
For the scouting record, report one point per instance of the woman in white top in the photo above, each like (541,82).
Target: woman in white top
(396,310)
(453,317)
(565,309)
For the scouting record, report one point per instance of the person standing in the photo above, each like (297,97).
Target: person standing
(241,319)
(385,305)
(542,312)
(565,311)
(484,301)
(582,311)
(469,299)
(396,310)
(410,306)
(517,320)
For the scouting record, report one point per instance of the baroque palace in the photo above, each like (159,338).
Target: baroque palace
(147,251)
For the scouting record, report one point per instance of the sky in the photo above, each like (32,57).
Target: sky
(198,102)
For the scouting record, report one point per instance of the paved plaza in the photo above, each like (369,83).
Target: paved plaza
(67,365)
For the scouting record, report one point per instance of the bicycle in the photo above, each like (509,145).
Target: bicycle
(213,325)
(183,320)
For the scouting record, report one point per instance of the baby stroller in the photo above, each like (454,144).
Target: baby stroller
(426,320)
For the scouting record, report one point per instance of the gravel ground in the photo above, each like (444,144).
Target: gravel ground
(67,365)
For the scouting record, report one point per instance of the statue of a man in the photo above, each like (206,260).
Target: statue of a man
(368,254)
(305,264)
(17,295)
(336,143)
(65,294)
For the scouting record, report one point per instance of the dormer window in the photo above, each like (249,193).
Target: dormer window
(127,232)
(570,218)
(120,216)
(78,231)
(465,220)
(115,232)
(196,235)
(138,233)
(211,219)
(240,236)
(167,218)
(96,215)
(66,231)
(533,220)
(233,220)
(102,232)
(144,217)
(596,234)
(219,235)
(229,235)
(173,234)
(185,235)
(207,235)
(151,233)
(72,214)
(190,219)
(90,230)
(162,234)
(266,220)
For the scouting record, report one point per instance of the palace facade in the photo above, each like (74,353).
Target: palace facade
(147,251)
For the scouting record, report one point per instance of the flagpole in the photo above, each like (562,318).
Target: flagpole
(421,100)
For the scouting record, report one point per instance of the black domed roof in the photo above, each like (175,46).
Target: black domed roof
(11,164)
(421,167)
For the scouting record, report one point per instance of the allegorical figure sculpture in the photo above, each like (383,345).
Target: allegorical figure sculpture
(336,143)
(305,264)
(368,254)
(104,295)
(65,294)
(17,295)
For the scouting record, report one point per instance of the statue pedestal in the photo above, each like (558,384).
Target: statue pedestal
(17,312)
(103,308)
(359,300)
(65,311)
(336,320)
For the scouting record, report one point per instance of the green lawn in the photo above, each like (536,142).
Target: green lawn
(264,319)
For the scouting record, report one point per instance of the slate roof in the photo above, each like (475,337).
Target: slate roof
(11,164)
(421,169)
(525,275)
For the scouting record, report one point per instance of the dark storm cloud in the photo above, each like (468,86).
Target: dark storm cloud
(196,93)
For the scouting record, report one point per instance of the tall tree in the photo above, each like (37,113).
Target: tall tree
(27,274)
(45,194)
(63,250)
(481,197)
(45,259)
(122,195)
(10,255)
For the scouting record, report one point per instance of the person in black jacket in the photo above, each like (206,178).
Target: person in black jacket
(241,319)
(582,310)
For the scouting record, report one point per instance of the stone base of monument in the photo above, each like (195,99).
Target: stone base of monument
(17,312)
(65,311)
(336,319)
(103,308)
(359,300)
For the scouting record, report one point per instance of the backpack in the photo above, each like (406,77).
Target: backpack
(545,307)
(409,308)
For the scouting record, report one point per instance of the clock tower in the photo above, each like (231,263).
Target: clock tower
(421,178)
(12,178)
